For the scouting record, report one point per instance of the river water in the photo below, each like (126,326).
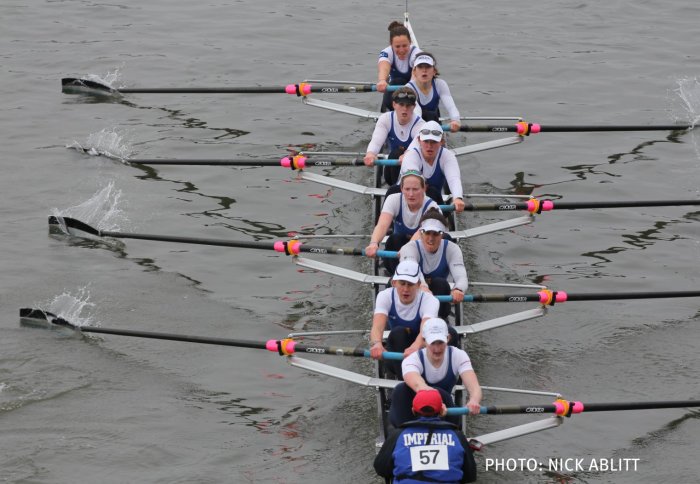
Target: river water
(115,409)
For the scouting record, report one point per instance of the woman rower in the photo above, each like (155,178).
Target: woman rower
(432,90)
(395,61)
(402,307)
(436,366)
(439,260)
(404,211)
(397,129)
(436,163)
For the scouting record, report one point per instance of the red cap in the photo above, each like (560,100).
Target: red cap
(427,402)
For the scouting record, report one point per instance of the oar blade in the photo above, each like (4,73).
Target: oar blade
(73,85)
(71,226)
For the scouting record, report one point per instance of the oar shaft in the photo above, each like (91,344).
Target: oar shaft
(565,408)
(538,206)
(300,89)
(283,347)
(553,297)
(524,128)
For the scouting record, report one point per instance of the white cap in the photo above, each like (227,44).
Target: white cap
(429,132)
(432,225)
(424,59)
(435,329)
(407,270)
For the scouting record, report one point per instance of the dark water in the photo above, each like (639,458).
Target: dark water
(126,410)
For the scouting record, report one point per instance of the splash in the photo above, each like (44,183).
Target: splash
(110,79)
(71,307)
(689,92)
(112,143)
(102,210)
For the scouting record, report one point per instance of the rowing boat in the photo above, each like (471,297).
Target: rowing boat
(297,360)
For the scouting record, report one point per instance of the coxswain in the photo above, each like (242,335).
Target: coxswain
(426,448)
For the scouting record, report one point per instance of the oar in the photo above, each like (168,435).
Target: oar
(72,85)
(535,205)
(291,247)
(526,129)
(550,298)
(566,408)
(283,347)
(298,162)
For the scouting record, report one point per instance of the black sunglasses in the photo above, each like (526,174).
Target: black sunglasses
(405,96)
(434,132)
(432,232)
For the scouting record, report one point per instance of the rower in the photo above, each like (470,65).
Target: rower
(431,90)
(395,63)
(436,163)
(397,129)
(439,259)
(404,211)
(402,307)
(402,456)
(437,366)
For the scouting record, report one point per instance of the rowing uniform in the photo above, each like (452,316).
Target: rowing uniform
(442,378)
(397,136)
(404,320)
(399,72)
(406,222)
(406,315)
(443,171)
(428,104)
(438,267)
(426,450)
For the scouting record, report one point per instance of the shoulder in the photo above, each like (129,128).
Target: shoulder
(386,53)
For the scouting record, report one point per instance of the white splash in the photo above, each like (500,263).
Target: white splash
(110,79)
(102,210)
(71,307)
(112,143)
(689,92)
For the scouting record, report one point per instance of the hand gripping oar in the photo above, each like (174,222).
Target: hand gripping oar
(566,408)
(535,205)
(284,347)
(526,129)
(548,297)
(72,85)
(290,247)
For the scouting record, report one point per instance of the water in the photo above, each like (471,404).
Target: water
(116,409)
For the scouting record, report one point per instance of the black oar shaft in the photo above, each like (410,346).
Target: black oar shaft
(548,205)
(291,247)
(242,162)
(553,297)
(529,128)
(581,407)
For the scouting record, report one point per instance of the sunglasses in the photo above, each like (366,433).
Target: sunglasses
(434,132)
(432,232)
(405,96)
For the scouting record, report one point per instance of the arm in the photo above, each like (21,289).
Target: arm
(450,166)
(379,135)
(376,335)
(449,103)
(383,69)
(384,462)
(385,219)
(455,261)
(471,382)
